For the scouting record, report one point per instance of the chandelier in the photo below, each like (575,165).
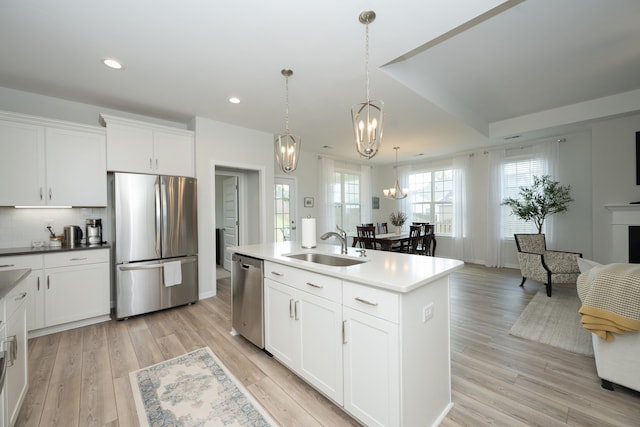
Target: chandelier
(367,116)
(287,146)
(395,192)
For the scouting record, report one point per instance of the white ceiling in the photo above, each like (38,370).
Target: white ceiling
(455,75)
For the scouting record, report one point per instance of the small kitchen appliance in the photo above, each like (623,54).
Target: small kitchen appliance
(72,236)
(93,231)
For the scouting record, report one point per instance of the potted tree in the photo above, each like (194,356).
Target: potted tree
(543,198)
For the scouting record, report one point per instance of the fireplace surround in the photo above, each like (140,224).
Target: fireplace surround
(625,244)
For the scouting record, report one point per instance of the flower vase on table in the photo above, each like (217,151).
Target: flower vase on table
(398,219)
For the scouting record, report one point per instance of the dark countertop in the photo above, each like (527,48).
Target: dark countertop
(10,278)
(47,249)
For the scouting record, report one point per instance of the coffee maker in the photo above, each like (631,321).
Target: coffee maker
(93,234)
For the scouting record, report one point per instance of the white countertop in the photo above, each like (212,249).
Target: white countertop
(388,270)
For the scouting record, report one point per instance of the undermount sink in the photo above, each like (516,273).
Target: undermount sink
(325,259)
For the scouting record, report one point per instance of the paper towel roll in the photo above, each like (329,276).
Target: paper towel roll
(308,232)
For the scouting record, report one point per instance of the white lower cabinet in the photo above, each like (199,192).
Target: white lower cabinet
(63,287)
(303,330)
(371,375)
(77,286)
(374,352)
(15,344)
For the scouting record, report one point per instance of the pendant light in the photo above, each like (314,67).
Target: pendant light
(287,146)
(367,116)
(395,192)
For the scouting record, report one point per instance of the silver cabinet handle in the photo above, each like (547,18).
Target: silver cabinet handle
(313,285)
(344,332)
(41,195)
(364,301)
(48,283)
(275,273)
(7,265)
(22,296)
(150,164)
(296,305)
(77,259)
(291,308)
(156,163)
(50,193)
(38,283)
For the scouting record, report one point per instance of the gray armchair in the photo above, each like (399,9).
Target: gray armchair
(545,266)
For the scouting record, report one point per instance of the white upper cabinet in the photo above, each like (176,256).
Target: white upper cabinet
(134,146)
(49,163)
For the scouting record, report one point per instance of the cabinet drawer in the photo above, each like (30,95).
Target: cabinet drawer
(33,262)
(374,301)
(65,259)
(314,283)
(13,299)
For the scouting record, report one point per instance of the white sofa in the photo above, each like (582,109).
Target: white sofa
(617,360)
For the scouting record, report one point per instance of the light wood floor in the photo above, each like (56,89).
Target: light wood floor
(80,377)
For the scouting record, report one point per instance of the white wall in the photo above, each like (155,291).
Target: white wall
(233,147)
(613,177)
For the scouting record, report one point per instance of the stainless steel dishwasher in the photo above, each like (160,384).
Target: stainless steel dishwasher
(246,298)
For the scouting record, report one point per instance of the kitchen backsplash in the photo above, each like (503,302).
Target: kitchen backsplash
(19,227)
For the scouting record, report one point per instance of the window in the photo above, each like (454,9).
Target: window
(431,196)
(346,199)
(518,172)
(282,211)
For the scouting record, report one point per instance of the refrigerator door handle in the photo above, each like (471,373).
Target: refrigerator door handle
(130,267)
(157,185)
(165,218)
(139,267)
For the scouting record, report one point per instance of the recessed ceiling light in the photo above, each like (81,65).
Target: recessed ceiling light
(112,63)
(234,100)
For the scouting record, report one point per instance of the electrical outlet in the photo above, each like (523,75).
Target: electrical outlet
(427,312)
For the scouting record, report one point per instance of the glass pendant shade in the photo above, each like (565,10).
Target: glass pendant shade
(287,147)
(367,126)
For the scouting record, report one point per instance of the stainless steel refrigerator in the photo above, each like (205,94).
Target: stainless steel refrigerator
(156,242)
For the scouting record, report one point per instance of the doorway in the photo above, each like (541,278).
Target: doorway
(238,210)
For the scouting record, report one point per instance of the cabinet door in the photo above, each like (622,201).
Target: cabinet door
(371,369)
(280,328)
(35,300)
(16,380)
(21,164)
(129,148)
(320,329)
(76,293)
(76,168)
(174,153)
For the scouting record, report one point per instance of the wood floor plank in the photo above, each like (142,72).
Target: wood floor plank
(121,351)
(97,398)
(127,415)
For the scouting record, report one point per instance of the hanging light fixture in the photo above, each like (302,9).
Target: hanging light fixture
(287,146)
(367,116)
(395,192)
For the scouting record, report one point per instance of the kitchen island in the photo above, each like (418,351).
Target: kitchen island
(372,336)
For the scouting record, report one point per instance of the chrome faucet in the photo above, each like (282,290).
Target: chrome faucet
(342,236)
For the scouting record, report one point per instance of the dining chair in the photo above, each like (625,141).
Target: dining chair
(411,246)
(367,236)
(382,228)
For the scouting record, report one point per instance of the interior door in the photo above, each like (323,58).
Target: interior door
(285,209)
(230,217)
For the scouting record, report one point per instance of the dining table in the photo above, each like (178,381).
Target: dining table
(388,240)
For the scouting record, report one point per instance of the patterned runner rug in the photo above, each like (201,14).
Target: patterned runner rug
(194,389)
(554,321)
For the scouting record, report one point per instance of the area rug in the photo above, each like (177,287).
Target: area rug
(194,389)
(554,321)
